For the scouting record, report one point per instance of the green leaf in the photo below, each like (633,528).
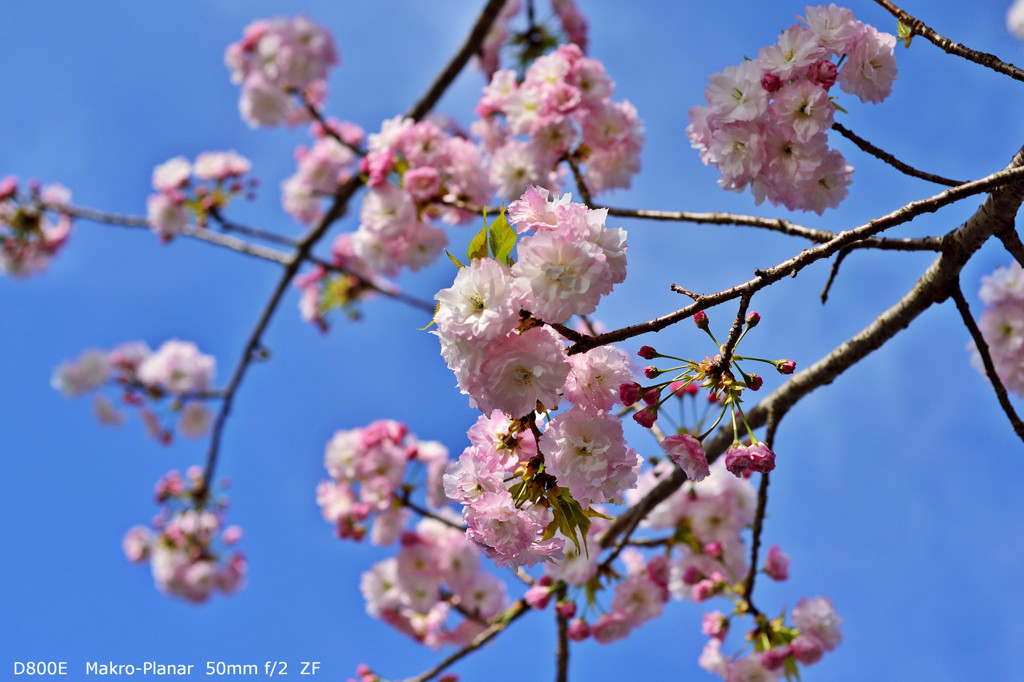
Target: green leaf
(478,247)
(904,34)
(503,239)
(454,259)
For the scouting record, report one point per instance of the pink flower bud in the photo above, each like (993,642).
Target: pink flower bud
(701,319)
(647,353)
(537,597)
(771,82)
(773,659)
(566,609)
(716,625)
(651,372)
(737,459)
(703,590)
(713,549)
(753,382)
(692,575)
(578,630)
(752,319)
(652,396)
(776,564)
(629,394)
(8,187)
(762,459)
(785,366)
(823,73)
(646,417)
(806,650)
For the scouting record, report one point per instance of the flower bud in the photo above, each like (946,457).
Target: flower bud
(771,82)
(823,73)
(646,417)
(753,381)
(647,353)
(753,318)
(629,394)
(578,630)
(785,366)
(701,319)
(566,609)
(652,396)
(651,372)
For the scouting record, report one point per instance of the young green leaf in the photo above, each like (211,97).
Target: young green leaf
(478,247)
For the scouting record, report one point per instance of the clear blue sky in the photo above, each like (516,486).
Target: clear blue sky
(898,492)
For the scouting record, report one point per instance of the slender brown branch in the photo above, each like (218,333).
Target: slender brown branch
(472,45)
(755,544)
(581,184)
(773,224)
(499,623)
(986,359)
(735,329)
(328,130)
(426,513)
(879,153)
(562,643)
(793,265)
(232,226)
(918,27)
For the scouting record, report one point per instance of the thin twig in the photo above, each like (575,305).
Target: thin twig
(327,128)
(879,153)
(232,226)
(773,224)
(426,513)
(581,184)
(986,359)
(918,27)
(908,244)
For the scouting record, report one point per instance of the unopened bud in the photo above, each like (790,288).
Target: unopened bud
(771,82)
(652,396)
(651,372)
(646,417)
(701,319)
(752,319)
(629,393)
(785,366)
(753,382)
(647,353)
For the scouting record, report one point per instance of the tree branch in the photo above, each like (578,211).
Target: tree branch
(792,266)
(933,286)
(918,27)
(986,359)
(885,156)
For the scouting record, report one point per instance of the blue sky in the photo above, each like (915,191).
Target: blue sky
(898,492)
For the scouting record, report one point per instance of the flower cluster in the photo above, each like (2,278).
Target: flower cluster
(367,467)
(198,189)
(719,378)
(778,648)
(277,58)
(409,168)
(436,572)
(320,169)
(181,547)
(766,121)
(489,326)
(563,108)
(1002,325)
(29,236)
(177,369)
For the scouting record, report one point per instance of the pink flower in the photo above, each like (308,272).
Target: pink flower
(817,619)
(610,627)
(776,564)
(519,370)
(586,452)
(688,453)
